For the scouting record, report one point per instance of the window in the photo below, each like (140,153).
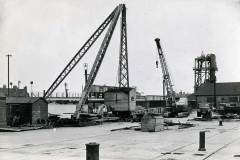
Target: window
(209,99)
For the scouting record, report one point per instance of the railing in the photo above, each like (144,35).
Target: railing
(59,94)
(157,110)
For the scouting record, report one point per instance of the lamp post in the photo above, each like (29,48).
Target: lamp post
(214,92)
(85,72)
(19,82)
(19,88)
(31,88)
(66,90)
(8,55)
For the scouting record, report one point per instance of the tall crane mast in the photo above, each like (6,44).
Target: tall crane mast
(167,83)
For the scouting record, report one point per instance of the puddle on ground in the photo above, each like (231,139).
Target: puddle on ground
(198,154)
(222,130)
(178,153)
(172,153)
(27,145)
(237,155)
(166,153)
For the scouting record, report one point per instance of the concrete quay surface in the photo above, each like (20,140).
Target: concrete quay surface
(222,143)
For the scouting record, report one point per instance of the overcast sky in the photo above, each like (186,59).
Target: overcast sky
(43,35)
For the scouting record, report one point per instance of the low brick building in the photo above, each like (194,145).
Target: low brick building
(225,93)
(14,91)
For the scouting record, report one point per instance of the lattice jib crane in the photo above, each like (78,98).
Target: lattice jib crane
(167,83)
(110,21)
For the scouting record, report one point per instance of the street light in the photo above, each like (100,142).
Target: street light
(85,71)
(8,55)
(19,84)
(19,88)
(31,88)
(66,90)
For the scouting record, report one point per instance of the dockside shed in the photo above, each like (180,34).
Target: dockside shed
(30,109)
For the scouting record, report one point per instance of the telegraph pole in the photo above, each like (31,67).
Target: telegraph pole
(8,55)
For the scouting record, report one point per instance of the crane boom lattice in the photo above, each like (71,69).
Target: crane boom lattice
(79,55)
(123,59)
(110,21)
(167,83)
(99,58)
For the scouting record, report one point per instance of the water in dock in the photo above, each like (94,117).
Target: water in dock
(62,109)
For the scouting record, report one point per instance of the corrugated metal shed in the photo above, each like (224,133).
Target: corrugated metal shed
(222,89)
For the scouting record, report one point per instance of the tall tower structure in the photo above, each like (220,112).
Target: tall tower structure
(205,68)
(123,77)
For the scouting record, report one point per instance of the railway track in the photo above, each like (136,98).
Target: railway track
(189,144)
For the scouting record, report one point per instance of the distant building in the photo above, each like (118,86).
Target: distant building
(96,95)
(228,92)
(97,91)
(150,101)
(122,100)
(14,92)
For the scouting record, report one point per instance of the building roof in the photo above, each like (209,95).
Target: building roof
(23,100)
(222,89)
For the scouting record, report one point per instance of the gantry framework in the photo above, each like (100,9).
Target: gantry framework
(204,70)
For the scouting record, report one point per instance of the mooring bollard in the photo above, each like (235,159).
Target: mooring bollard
(92,150)
(220,122)
(202,141)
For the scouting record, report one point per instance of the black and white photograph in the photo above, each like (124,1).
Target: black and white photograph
(119,79)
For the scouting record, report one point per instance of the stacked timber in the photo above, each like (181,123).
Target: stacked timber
(152,123)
